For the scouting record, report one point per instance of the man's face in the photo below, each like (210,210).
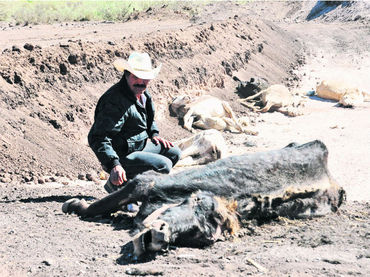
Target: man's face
(136,84)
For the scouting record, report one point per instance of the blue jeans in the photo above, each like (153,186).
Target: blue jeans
(152,157)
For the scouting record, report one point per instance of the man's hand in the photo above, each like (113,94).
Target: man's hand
(164,142)
(118,175)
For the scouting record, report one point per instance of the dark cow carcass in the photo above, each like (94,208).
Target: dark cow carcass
(196,206)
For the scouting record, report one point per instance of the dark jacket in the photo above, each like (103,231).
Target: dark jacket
(121,124)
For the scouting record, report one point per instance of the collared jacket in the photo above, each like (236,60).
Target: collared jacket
(122,124)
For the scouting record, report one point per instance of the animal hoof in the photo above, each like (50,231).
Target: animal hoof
(69,205)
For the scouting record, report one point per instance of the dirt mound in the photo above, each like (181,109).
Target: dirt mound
(48,94)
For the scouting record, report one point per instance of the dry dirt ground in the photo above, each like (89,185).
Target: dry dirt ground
(51,77)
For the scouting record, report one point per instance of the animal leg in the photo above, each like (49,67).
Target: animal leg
(188,120)
(229,127)
(266,108)
(231,114)
(254,96)
(109,204)
(210,123)
(248,105)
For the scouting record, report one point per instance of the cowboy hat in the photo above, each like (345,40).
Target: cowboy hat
(138,64)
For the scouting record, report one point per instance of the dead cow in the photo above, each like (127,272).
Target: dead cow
(194,207)
(207,112)
(346,95)
(201,148)
(275,97)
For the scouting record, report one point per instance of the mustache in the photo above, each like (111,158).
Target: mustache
(140,86)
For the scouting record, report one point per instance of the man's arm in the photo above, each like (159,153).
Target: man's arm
(109,120)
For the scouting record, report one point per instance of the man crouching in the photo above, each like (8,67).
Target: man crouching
(124,135)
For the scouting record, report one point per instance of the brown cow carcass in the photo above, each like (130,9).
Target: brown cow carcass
(275,97)
(208,112)
(347,95)
(195,207)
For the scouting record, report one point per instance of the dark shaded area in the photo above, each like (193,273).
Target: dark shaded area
(118,221)
(128,258)
(316,98)
(245,89)
(52,198)
(323,7)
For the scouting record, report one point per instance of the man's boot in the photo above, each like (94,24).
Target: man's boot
(109,187)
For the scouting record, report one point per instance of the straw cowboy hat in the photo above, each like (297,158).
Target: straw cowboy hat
(138,64)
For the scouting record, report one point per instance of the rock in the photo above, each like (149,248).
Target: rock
(55,124)
(31,60)
(103,175)
(81,176)
(17,78)
(47,262)
(260,47)
(28,47)
(73,59)
(70,116)
(63,69)
(16,49)
(358,17)
(91,177)
(5,180)
(331,261)
(27,178)
(142,272)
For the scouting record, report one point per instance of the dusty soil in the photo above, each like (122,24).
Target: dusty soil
(51,77)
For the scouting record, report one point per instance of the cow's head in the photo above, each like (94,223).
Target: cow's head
(197,222)
(178,105)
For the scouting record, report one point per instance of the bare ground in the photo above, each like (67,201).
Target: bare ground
(47,108)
